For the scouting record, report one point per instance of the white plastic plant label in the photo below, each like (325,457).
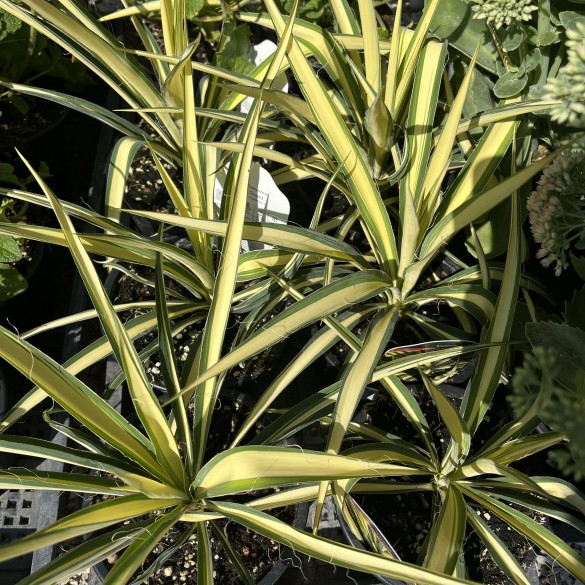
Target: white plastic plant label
(260,53)
(266,203)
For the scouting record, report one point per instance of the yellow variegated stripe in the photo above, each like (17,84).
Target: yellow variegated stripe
(563,554)
(253,265)
(359,373)
(330,551)
(447,533)
(90,355)
(106,60)
(484,160)
(323,302)
(369,31)
(120,162)
(145,402)
(522,447)
(255,467)
(141,545)
(140,9)
(219,312)
(316,347)
(460,437)
(439,162)
(204,556)
(97,516)
(79,558)
(83,404)
(505,112)
(347,154)
(497,549)
(284,236)
(177,263)
(23,479)
(472,298)
(409,61)
(472,209)
(419,124)
(490,363)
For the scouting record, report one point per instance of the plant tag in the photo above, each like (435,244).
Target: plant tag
(260,53)
(266,203)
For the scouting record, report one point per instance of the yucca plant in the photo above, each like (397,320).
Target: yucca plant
(387,131)
(157,468)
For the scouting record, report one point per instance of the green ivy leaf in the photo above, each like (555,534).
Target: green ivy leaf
(12,282)
(235,53)
(510,85)
(7,174)
(193,7)
(9,250)
(8,24)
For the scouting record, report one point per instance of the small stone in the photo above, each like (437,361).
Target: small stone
(168,571)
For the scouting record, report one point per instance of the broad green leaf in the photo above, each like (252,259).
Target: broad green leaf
(12,283)
(9,250)
(510,85)
(453,22)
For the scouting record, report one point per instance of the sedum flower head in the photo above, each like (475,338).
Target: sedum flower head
(500,12)
(557,208)
(569,85)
